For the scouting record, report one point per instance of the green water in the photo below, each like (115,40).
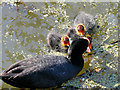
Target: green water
(25,28)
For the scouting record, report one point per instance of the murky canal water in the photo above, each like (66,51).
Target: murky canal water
(25,28)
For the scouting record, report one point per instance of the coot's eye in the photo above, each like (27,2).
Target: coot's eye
(80,29)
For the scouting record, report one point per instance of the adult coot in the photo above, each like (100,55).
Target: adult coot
(46,71)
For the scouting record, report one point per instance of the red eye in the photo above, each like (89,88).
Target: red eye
(80,29)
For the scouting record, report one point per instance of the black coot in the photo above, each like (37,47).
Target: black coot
(46,71)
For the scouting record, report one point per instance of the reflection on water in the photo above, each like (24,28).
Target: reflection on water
(25,28)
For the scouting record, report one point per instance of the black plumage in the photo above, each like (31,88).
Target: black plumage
(46,71)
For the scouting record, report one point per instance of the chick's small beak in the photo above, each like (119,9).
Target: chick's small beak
(66,43)
(89,48)
(81,32)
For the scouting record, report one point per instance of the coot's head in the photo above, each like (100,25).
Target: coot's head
(80,29)
(78,46)
(53,40)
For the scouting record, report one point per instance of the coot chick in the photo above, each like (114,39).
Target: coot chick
(54,42)
(84,22)
(58,42)
(46,71)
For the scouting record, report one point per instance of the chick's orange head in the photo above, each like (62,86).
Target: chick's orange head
(65,41)
(80,29)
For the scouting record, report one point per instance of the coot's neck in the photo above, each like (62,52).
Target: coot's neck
(75,51)
(76,60)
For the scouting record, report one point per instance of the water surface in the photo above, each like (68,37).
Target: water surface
(25,27)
